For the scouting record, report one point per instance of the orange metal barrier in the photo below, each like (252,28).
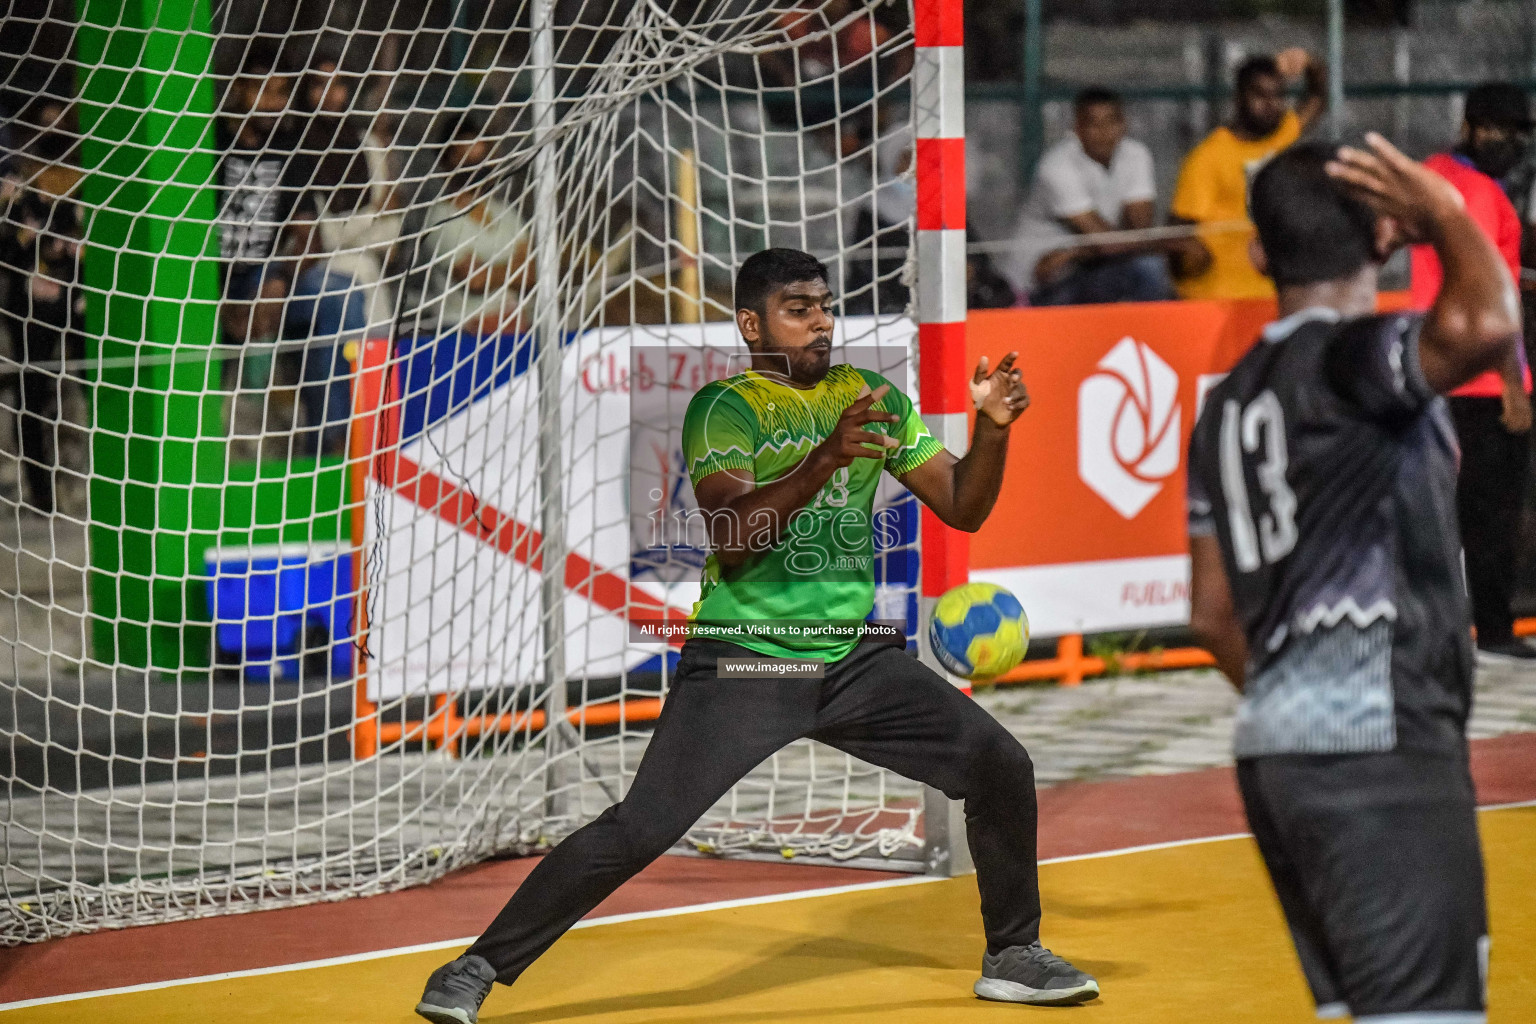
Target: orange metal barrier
(446,725)
(1071,666)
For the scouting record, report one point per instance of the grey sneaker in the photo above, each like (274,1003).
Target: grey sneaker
(1033,974)
(456,990)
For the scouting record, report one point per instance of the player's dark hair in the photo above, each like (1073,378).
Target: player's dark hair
(1310,228)
(1094,96)
(764,272)
(461,126)
(261,59)
(1254,68)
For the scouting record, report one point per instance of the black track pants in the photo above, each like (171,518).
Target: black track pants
(878,704)
(1490,490)
(1378,867)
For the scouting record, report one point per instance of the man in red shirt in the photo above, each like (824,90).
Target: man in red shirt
(1492,412)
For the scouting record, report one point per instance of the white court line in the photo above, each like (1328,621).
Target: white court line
(643,915)
(425,947)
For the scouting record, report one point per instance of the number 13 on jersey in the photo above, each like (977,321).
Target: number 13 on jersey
(1257,430)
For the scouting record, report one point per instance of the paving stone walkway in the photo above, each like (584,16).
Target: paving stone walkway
(1167,722)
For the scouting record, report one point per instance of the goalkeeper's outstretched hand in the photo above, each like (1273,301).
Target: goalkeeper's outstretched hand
(850,440)
(1000,395)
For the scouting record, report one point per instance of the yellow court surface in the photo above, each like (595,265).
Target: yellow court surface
(1188,934)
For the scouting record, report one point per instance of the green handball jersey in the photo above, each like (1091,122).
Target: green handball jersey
(803,598)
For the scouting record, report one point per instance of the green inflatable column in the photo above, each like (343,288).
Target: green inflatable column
(151,281)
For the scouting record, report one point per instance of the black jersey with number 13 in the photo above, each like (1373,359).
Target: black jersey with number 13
(1325,465)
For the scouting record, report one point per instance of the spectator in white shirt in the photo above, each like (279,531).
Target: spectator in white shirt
(1093,181)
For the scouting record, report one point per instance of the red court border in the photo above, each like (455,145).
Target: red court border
(1075,819)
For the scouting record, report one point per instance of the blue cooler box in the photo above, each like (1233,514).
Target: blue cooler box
(265,597)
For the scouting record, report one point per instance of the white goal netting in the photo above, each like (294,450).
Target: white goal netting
(318,328)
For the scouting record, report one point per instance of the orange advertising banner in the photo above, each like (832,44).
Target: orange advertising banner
(1089,530)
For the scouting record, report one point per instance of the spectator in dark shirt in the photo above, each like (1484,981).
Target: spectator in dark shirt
(341,233)
(8,154)
(985,288)
(325,97)
(260,177)
(833,54)
(881,232)
(1491,412)
(40,249)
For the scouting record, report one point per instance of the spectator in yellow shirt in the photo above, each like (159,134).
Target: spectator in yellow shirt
(1213,183)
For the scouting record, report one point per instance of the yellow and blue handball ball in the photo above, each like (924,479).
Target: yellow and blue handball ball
(979,630)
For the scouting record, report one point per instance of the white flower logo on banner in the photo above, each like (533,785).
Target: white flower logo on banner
(1128,427)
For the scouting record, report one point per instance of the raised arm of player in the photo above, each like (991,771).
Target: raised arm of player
(1475,321)
(962,491)
(745,519)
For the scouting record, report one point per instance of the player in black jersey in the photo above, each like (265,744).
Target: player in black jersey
(1327,581)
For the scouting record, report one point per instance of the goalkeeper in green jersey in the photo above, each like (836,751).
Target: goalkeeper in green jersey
(785,458)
